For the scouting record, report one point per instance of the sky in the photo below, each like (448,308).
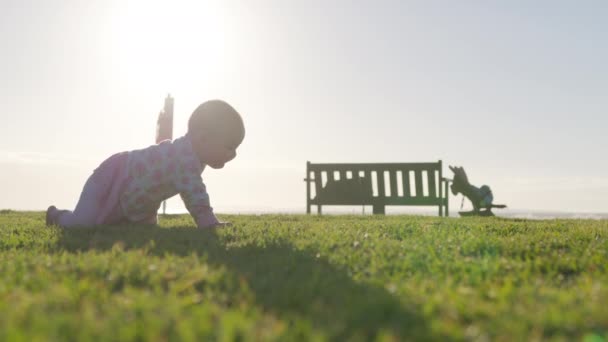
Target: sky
(514,91)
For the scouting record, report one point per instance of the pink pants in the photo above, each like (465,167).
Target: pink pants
(99,201)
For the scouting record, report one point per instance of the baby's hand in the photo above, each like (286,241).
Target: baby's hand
(207,219)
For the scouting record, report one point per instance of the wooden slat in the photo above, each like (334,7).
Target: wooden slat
(392,175)
(380,175)
(418,177)
(368,175)
(432,186)
(415,201)
(318,180)
(376,167)
(405,179)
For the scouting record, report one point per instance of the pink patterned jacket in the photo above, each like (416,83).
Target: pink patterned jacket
(161,171)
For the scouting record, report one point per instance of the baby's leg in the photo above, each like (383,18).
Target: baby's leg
(152,219)
(86,210)
(99,200)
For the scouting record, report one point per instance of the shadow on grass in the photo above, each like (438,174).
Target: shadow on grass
(290,283)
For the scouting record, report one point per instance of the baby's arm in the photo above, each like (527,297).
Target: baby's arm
(194,194)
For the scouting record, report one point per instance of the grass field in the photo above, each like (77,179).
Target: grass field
(290,277)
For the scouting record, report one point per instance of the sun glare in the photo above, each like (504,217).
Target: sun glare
(167,43)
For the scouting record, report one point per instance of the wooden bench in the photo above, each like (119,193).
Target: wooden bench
(378,185)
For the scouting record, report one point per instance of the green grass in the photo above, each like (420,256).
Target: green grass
(290,277)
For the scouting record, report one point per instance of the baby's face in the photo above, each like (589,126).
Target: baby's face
(217,149)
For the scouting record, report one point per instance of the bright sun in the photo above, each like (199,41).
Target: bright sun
(169,43)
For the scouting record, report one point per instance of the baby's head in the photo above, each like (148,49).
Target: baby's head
(216,130)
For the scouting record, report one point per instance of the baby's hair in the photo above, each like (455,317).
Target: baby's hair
(215,115)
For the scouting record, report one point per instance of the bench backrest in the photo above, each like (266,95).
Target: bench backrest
(391,183)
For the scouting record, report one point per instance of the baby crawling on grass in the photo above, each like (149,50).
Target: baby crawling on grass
(130,186)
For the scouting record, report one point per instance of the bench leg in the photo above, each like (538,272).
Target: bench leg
(447,200)
(378,209)
(319,211)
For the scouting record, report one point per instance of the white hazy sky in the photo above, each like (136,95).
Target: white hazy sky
(514,91)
